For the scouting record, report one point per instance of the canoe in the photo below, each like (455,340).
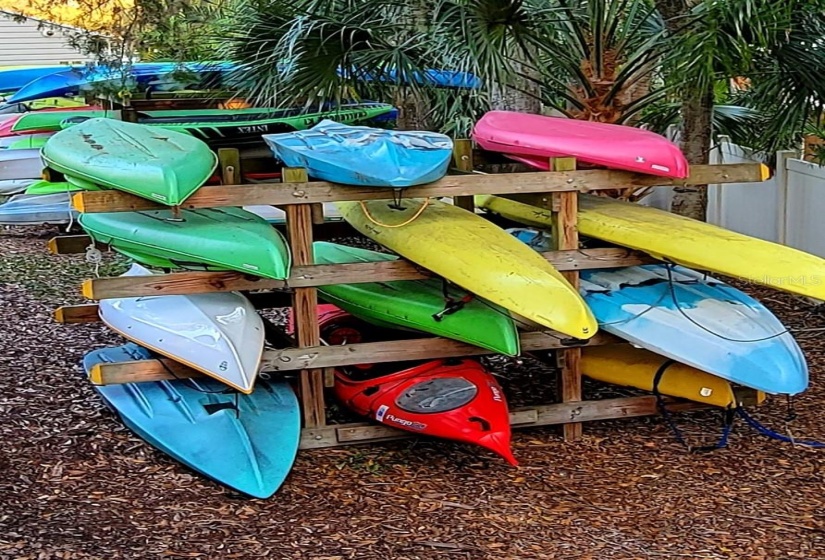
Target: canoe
(690,243)
(24,209)
(622,364)
(533,139)
(454,399)
(476,255)
(696,320)
(245,442)
(218,334)
(160,165)
(221,238)
(364,156)
(20,164)
(15,186)
(415,304)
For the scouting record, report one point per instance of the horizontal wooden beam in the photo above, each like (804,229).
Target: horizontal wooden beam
(88,313)
(325,275)
(527,417)
(280,194)
(291,359)
(523,417)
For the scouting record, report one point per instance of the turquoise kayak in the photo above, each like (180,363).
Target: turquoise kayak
(245,442)
(151,162)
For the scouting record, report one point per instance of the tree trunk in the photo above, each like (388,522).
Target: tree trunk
(697,113)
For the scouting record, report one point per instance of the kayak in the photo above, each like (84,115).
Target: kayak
(690,243)
(622,364)
(245,442)
(15,186)
(220,238)
(533,139)
(160,165)
(20,164)
(73,82)
(455,399)
(45,187)
(27,141)
(364,156)
(218,334)
(697,320)
(24,209)
(12,79)
(418,304)
(476,255)
(44,121)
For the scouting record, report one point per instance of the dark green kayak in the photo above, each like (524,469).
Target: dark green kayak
(213,238)
(151,162)
(413,304)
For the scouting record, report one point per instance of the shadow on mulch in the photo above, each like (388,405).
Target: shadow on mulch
(75,484)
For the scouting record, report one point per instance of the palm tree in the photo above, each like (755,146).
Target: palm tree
(625,61)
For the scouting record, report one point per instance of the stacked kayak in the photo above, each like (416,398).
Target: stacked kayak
(28,209)
(157,164)
(246,442)
(20,164)
(533,139)
(365,156)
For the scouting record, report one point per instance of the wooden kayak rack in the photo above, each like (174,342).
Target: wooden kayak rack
(302,201)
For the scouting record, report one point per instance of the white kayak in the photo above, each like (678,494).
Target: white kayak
(275,215)
(218,334)
(36,209)
(20,164)
(15,186)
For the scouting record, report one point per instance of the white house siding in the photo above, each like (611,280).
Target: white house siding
(26,44)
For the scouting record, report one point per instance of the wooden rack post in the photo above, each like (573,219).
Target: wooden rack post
(565,208)
(463,160)
(305,302)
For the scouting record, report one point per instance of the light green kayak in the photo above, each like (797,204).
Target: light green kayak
(212,238)
(45,187)
(151,162)
(416,304)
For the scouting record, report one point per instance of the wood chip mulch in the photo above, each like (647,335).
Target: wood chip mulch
(75,484)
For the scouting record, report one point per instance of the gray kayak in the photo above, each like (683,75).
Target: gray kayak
(36,209)
(15,186)
(20,164)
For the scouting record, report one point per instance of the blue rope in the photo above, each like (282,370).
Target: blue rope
(767,432)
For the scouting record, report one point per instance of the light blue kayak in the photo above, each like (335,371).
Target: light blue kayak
(364,156)
(250,448)
(694,319)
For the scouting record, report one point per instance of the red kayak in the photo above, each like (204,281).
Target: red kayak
(533,139)
(7,124)
(454,399)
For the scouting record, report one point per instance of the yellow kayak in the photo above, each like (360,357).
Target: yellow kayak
(622,364)
(681,240)
(477,256)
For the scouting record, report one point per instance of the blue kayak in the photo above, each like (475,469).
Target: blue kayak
(433,78)
(72,82)
(364,156)
(250,448)
(15,78)
(694,319)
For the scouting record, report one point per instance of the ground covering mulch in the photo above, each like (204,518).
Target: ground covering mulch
(76,484)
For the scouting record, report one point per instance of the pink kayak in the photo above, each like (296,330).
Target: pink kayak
(532,139)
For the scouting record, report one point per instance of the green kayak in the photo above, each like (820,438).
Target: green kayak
(45,187)
(412,304)
(28,142)
(161,165)
(213,238)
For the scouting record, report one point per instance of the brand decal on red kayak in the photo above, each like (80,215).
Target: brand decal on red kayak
(496,393)
(382,410)
(409,424)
